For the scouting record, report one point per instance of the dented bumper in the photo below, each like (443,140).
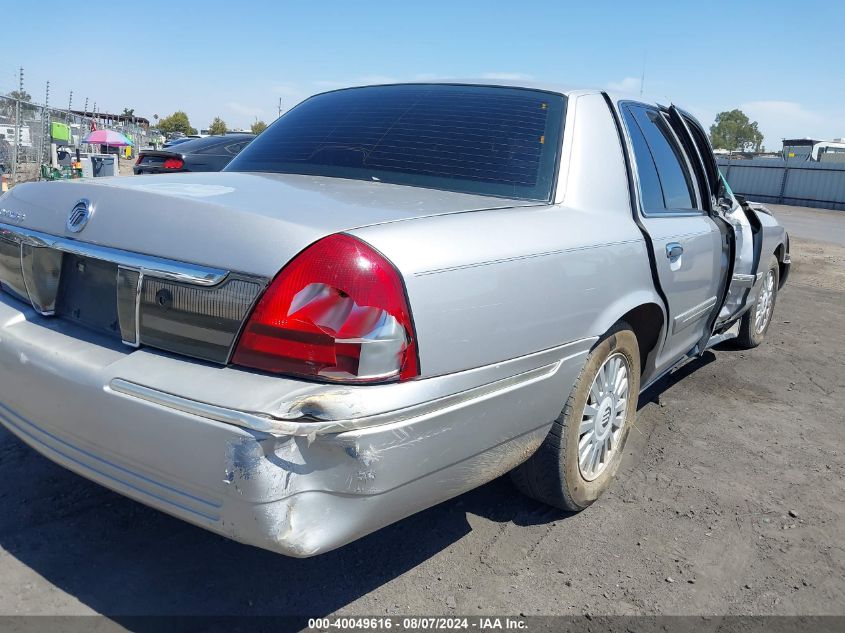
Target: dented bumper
(291,466)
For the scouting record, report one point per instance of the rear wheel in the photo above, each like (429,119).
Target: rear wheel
(755,322)
(580,455)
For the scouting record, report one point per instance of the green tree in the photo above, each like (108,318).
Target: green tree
(129,112)
(258,127)
(218,126)
(23,95)
(176,122)
(733,131)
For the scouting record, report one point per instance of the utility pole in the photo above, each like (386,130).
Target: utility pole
(17,127)
(69,106)
(280,107)
(84,128)
(45,127)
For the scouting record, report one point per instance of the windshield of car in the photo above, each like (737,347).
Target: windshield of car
(473,139)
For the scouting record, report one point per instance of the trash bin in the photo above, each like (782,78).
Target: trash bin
(103,165)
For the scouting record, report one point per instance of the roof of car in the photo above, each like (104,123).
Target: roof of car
(504,83)
(558,88)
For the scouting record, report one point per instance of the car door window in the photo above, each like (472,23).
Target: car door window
(651,194)
(667,160)
(695,161)
(706,151)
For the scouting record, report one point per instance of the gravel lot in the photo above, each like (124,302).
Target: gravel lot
(731,500)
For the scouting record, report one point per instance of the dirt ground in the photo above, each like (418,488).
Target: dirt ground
(730,501)
(124,166)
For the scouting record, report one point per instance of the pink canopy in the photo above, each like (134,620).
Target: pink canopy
(107,137)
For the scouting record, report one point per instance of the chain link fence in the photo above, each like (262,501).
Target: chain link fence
(25,136)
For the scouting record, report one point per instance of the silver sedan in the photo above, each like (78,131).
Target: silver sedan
(393,295)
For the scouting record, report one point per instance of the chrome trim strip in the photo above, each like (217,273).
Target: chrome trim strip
(689,317)
(282,427)
(147,264)
(138,290)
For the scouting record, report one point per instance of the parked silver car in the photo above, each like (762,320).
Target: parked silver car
(393,295)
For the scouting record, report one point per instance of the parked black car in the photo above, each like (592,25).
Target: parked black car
(212,153)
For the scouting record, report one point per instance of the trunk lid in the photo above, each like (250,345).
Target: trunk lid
(241,222)
(155,158)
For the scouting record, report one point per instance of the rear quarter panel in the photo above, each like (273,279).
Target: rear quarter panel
(774,235)
(487,287)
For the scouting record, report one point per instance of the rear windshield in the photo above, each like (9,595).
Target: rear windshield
(473,139)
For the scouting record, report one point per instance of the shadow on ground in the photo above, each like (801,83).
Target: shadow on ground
(653,393)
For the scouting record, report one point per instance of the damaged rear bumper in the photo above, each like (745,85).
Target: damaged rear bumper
(295,467)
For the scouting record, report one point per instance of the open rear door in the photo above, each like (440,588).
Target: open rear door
(749,242)
(741,230)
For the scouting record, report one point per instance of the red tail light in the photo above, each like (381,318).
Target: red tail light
(338,312)
(140,158)
(173,163)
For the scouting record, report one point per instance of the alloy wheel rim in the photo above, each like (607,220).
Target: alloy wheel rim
(603,418)
(765,303)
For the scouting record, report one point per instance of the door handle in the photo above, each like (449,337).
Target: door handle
(674,251)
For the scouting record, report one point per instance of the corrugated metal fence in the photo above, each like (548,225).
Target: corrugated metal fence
(804,184)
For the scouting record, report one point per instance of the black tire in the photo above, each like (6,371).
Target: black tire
(750,335)
(552,474)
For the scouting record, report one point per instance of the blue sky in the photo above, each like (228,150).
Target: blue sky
(781,62)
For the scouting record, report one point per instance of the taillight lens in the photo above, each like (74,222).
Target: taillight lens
(139,159)
(173,163)
(337,312)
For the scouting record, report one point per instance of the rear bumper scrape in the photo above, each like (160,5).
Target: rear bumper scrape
(310,427)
